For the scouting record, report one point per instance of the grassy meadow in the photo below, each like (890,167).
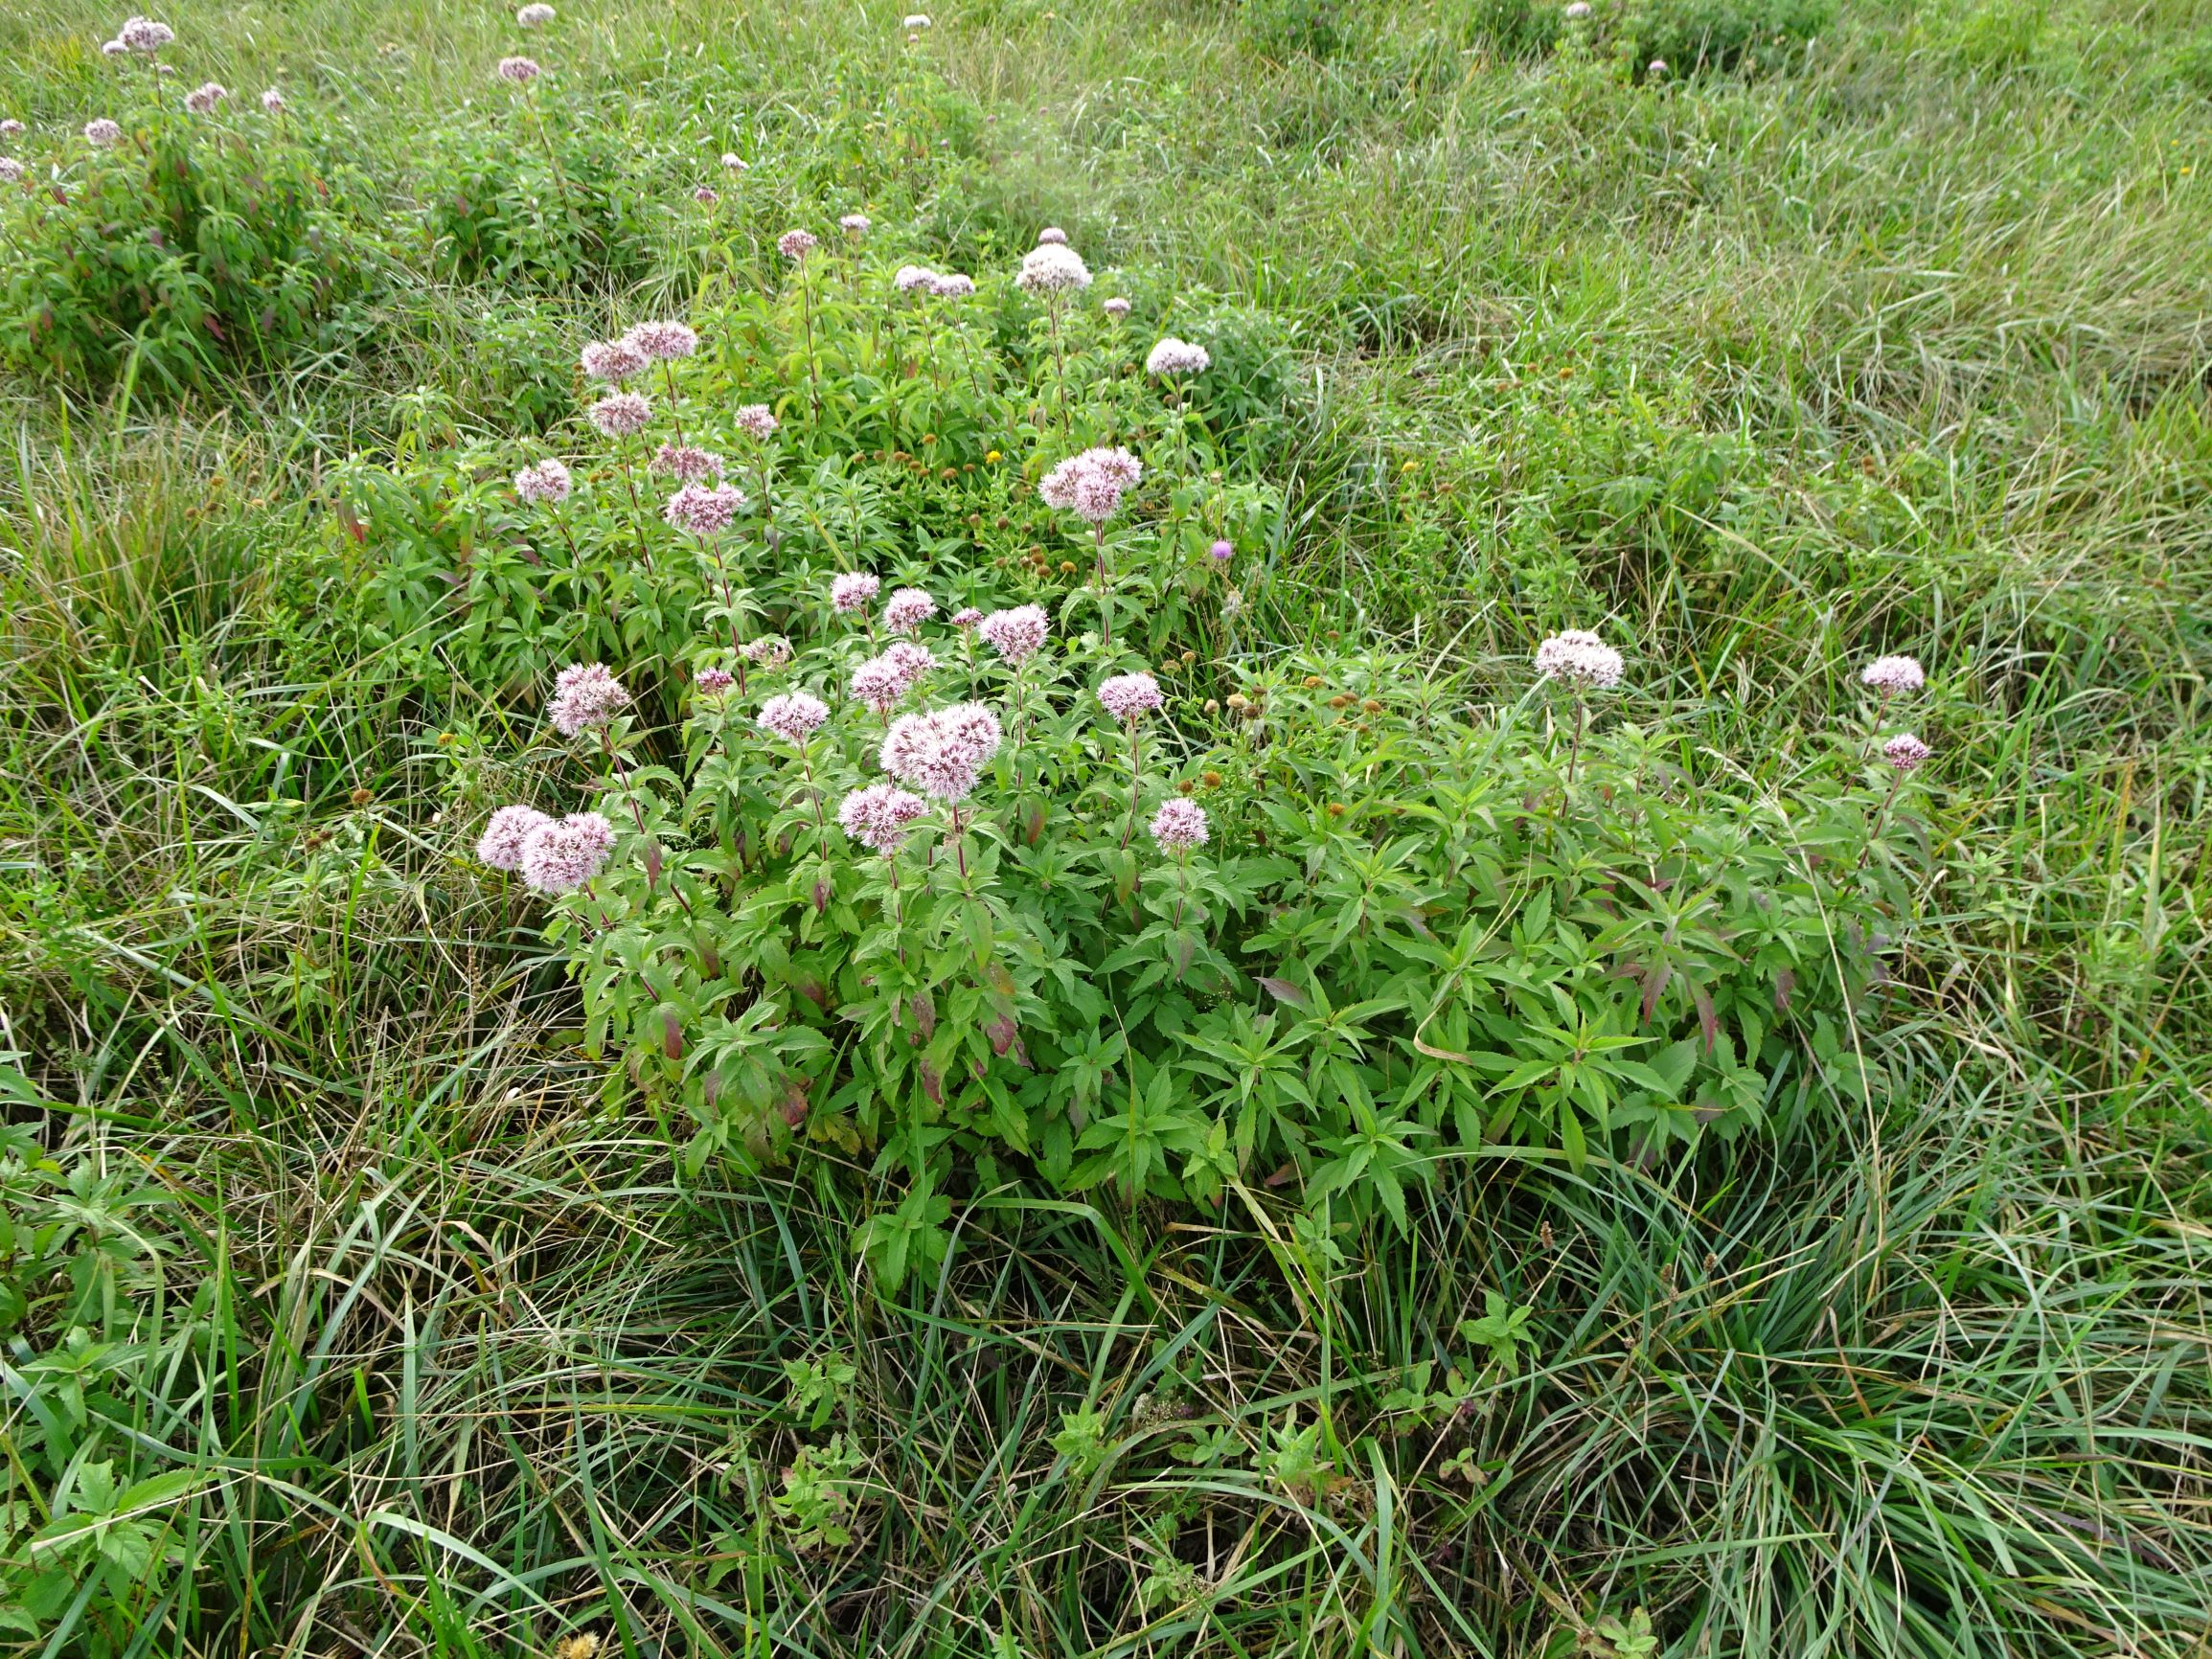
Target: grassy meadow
(375,1278)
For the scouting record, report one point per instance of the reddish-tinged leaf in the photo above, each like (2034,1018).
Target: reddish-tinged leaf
(932,1084)
(1283,990)
(1002,1033)
(1707,1017)
(1656,982)
(672,1034)
(1785,982)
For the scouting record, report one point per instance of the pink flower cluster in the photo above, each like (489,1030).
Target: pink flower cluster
(943,752)
(1174,356)
(1905,751)
(552,855)
(853,591)
(202,98)
(144,35)
(907,609)
(1116,308)
(547,481)
(1581,657)
(1130,696)
(1893,676)
(1179,824)
(687,464)
(965,617)
(756,419)
(793,716)
(621,414)
(103,133)
(769,651)
(1052,236)
(662,342)
(882,681)
(952,286)
(796,245)
(854,225)
(913,279)
(714,682)
(535,15)
(703,509)
(1052,268)
(520,71)
(585,697)
(11,170)
(613,361)
(1018,634)
(880,816)
(1091,484)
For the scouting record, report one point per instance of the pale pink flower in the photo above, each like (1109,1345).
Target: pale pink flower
(732,162)
(916,20)
(756,419)
(880,816)
(1091,482)
(621,415)
(202,98)
(793,716)
(854,225)
(942,753)
(1581,657)
(561,857)
(103,132)
(11,170)
(687,464)
(1174,356)
(881,681)
(112,48)
(1018,634)
(714,682)
(547,481)
(1052,268)
(1179,824)
(796,245)
(966,618)
(910,279)
(144,35)
(769,651)
(853,591)
(907,609)
(273,102)
(1097,497)
(1905,751)
(11,129)
(1116,308)
(585,697)
(1052,236)
(613,361)
(952,286)
(535,15)
(703,509)
(504,835)
(1130,696)
(1221,551)
(521,71)
(662,342)
(1578,10)
(706,196)
(1893,676)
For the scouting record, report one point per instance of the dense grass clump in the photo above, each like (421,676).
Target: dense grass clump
(1599,1164)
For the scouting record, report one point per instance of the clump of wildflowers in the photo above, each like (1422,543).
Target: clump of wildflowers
(202,98)
(11,129)
(1581,658)
(1174,356)
(942,753)
(686,464)
(612,361)
(916,20)
(881,681)
(559,857)
(144,35)
(621,414)
(965,617)
(880,816)
(756,419)
(793,716)
(535,15)
(703,509)
(519,71)
(11,170)
(714,682)
(273,102)
(662,342)
(732,162)
(853,591)
(103,133)
(1893,676)
(1052,269)
(952,286)
(1018,634)
(1905,751)
(1052,236)
(504,837)
(795,246)
(1091,482)
(1179,826)
(1129,698)
(547,481)
(907,609)
(912,279)
(585,697)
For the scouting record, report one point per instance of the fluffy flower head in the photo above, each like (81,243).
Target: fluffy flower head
(880,816)
(112,49)
(1052,268)
(1174,356)
(1179,824)
(273,102)
(855,224)
(1905,751)
(1018,634)
(202,98)
(585,697)
(756,419)
(769,651)
(613,361)
(916,20)
(1579,656)
(952,286)
(942,753)
(714,682)
(703,509)
(1116,308)
(881,681)
(853,591)
(103,132)
(966,616)
(706,196)
(10,129)
(559,857)
(11,170)
(907,609)
(793,716)
(546,480)
(1130,696)
(1091,482)
(144,35)
(662,342)
(796,245)
(1221,551)
(535,15)
(1052,236)
(687,464)
(1893,676)
(621,414)
(732,162)
(509,828)
(909,278)
(520,71)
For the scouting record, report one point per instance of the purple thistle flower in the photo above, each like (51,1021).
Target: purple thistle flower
(1221,551)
